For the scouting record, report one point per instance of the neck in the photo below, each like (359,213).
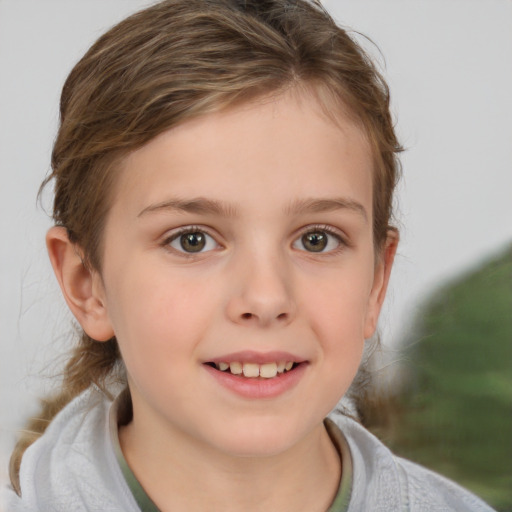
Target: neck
(185,476)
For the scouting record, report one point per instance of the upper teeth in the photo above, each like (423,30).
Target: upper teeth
(266,370)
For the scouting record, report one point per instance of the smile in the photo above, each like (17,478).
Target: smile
(258,375)
(254,370)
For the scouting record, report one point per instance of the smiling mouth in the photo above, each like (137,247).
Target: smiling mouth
(254,370)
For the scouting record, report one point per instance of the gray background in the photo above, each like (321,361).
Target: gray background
(449,66)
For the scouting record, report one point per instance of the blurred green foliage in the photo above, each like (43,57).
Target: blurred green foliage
(455,413)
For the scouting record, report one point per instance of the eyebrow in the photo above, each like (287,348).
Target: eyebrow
(199,205)
(203,205)
(302,206)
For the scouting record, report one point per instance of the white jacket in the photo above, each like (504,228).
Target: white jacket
(73,468)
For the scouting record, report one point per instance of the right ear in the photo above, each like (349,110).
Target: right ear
(81,286)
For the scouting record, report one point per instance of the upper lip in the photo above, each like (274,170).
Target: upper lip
(250,356)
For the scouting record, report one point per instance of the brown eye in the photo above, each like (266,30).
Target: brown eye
(193,242)
(320,240)
(315,241)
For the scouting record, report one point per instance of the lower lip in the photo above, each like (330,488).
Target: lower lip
(258,388)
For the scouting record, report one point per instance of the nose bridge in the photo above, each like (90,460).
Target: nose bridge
(263,291)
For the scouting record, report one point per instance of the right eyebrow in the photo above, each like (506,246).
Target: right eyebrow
(195,205)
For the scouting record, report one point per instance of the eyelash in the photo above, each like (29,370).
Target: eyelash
(330,231)
(321,228)
(183,231)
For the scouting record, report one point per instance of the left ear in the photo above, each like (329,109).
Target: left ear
(380,282)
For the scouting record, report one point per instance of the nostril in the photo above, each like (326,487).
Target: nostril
(247,316)
(282,316)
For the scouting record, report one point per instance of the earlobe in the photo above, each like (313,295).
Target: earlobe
(82,287)
(380,282)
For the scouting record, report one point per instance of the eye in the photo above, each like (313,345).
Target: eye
(192,241)
(318,240)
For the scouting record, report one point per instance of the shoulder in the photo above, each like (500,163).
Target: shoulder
(427,487)
(383,481)
(72,466)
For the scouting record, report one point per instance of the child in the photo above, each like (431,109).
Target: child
(223,176)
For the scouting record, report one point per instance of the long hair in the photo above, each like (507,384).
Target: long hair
(174,61)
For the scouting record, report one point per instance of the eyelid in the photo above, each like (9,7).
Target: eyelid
(326,228)
(174,234)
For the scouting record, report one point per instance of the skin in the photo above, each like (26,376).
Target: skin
(271,165)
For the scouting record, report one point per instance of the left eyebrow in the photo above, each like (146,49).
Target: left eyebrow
(302,206)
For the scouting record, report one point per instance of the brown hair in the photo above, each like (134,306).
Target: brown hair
(177,60)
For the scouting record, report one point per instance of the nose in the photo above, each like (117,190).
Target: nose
(262,292)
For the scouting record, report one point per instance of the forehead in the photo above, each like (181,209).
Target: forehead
(284,148)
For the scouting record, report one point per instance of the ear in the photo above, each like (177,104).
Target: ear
(382,273)
(81,286)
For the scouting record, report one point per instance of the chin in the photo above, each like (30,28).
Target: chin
(257,439)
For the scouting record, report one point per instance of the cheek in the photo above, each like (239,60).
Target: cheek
(156,315)
(338,306)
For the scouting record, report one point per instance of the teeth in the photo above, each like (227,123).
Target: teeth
(269,370)
(254,370)
(251,370)
(236,368)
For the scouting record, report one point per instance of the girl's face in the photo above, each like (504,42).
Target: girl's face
(243,240)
